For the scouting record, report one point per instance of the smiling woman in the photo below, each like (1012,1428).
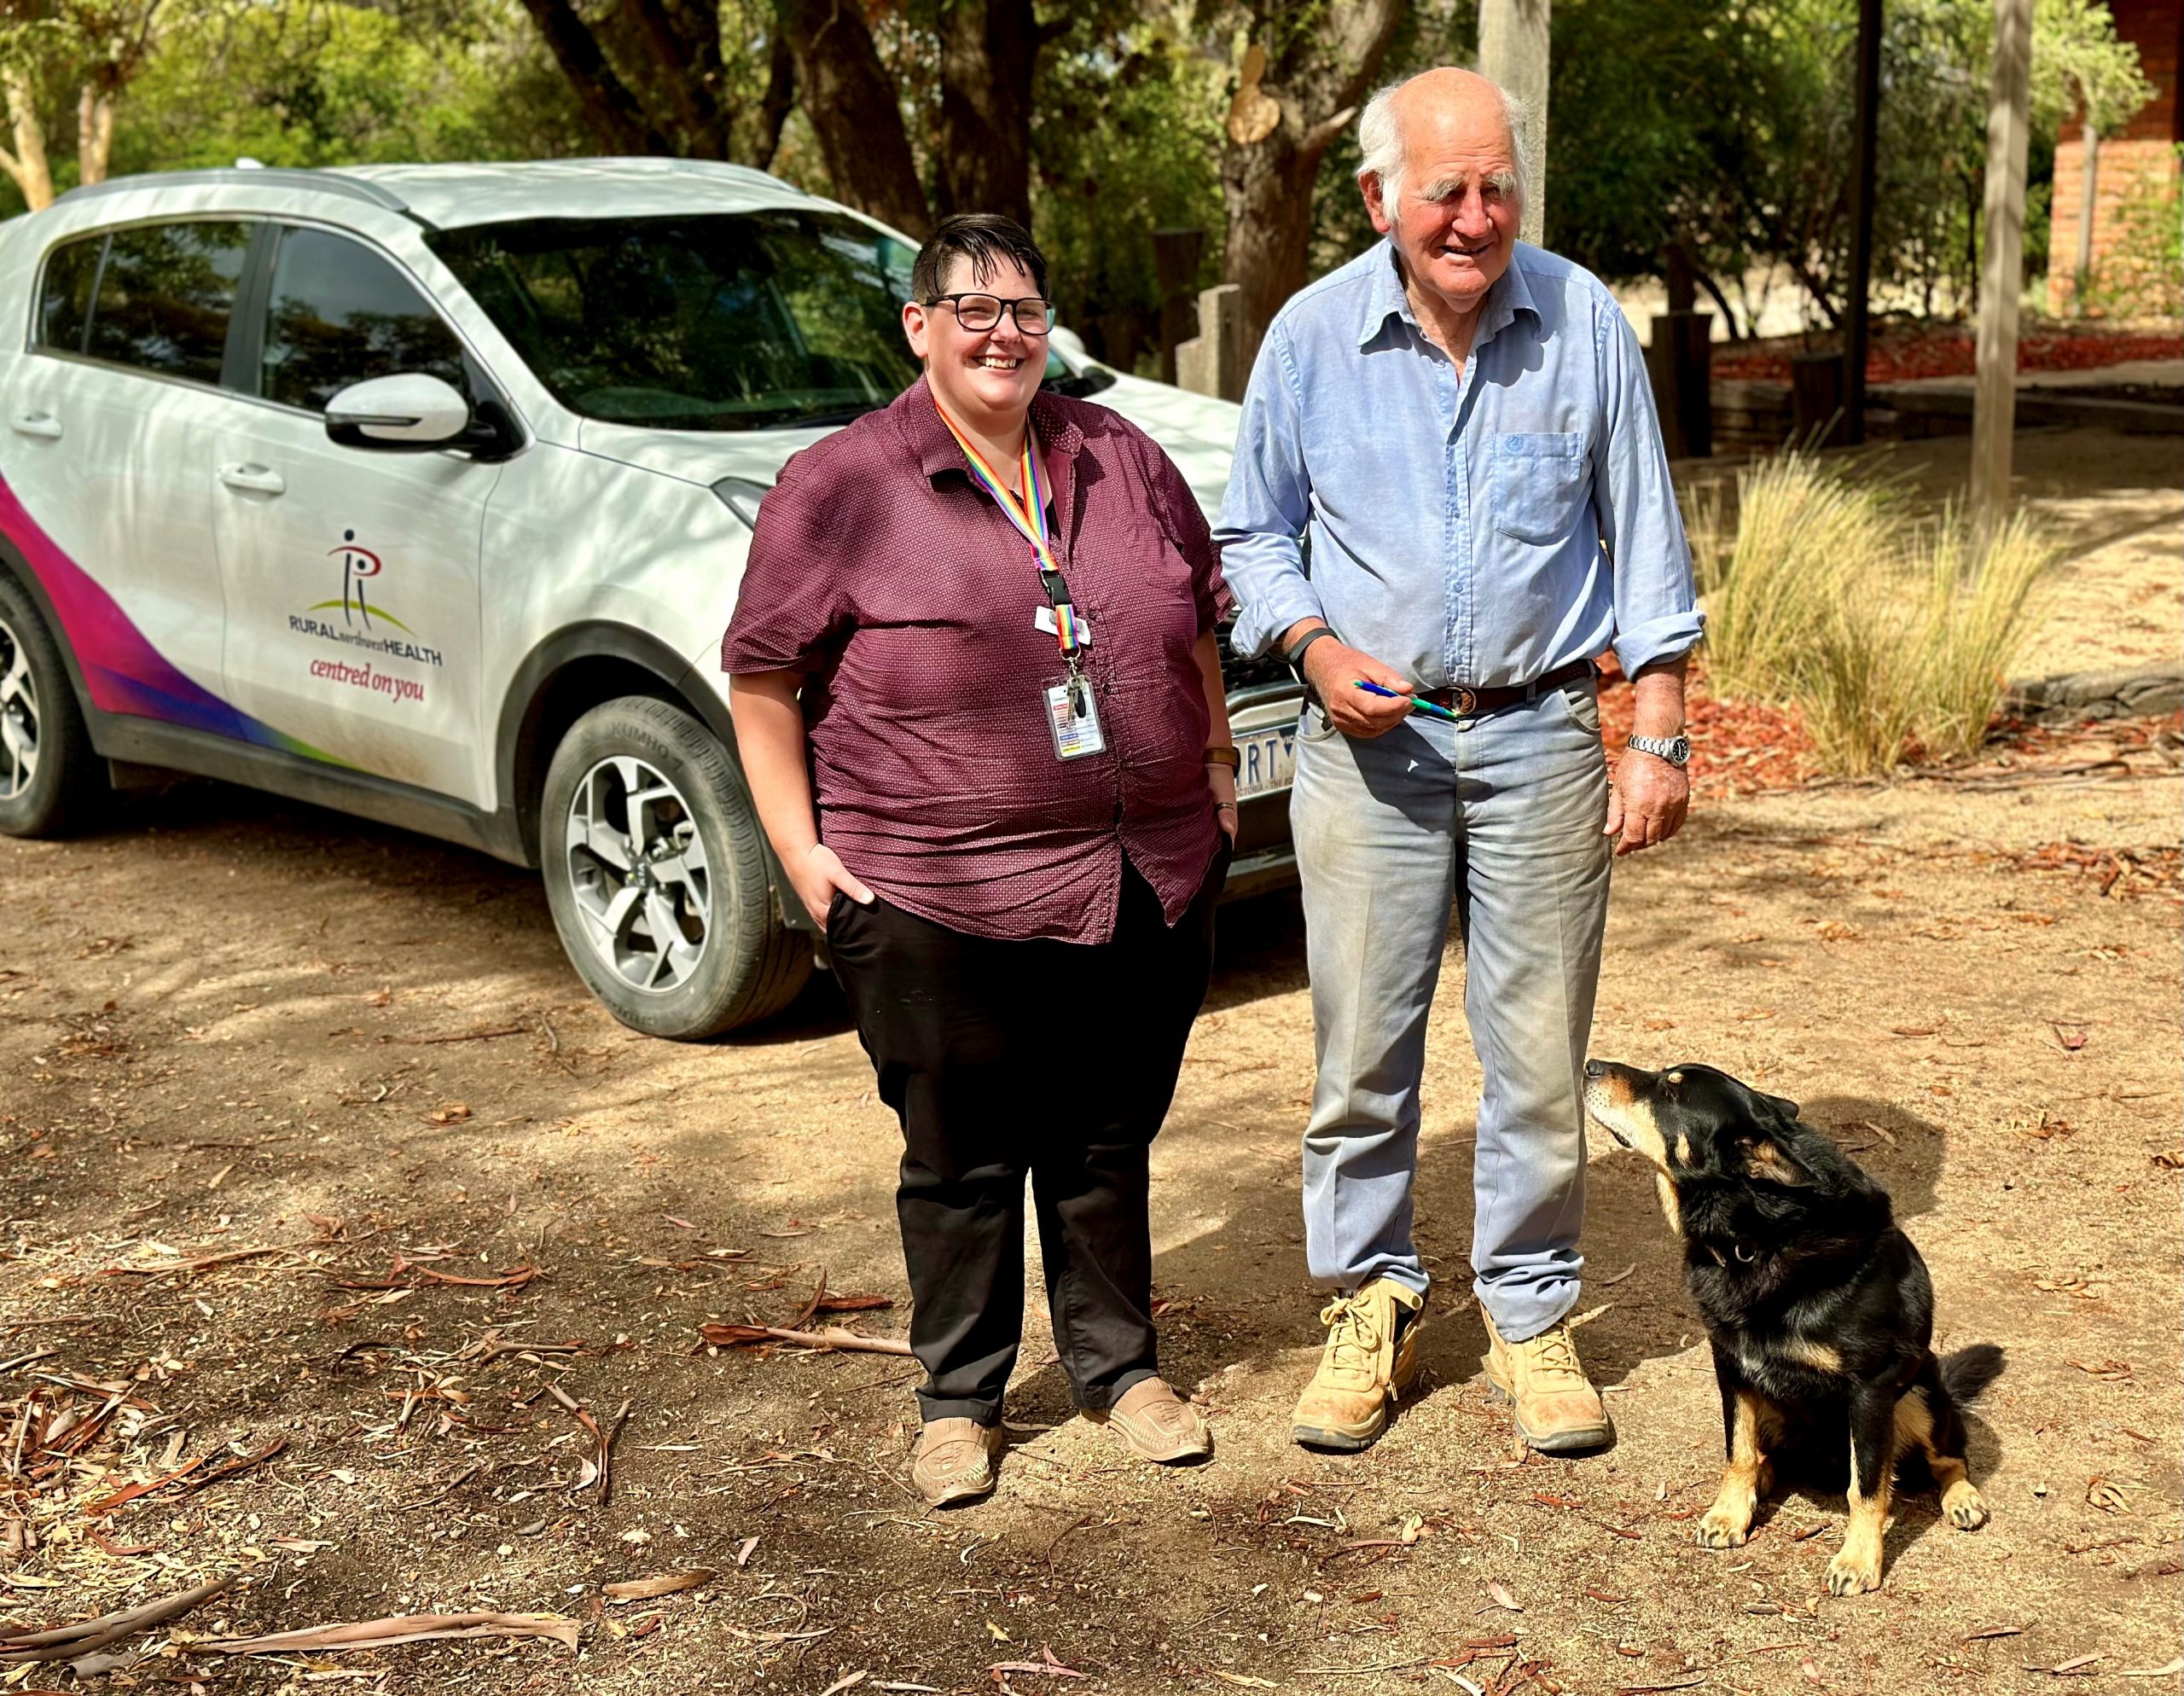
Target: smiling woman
(979,703)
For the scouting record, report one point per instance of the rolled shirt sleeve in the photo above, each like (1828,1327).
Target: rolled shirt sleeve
(1656,614)
(1269,504)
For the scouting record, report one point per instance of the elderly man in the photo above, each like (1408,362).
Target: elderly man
(1449,493)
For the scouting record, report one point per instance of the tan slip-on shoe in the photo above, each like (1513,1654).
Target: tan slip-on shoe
(1156,1424)
(1557,1410)
(953,1461)
(1364,1367)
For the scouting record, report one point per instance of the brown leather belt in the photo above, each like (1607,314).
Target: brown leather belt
(1469,703)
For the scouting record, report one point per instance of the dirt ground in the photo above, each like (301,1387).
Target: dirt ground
(354,1063)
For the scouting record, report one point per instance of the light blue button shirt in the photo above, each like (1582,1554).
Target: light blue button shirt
(1479,530)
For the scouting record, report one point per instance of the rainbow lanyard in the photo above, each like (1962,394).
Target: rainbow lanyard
(1032,527)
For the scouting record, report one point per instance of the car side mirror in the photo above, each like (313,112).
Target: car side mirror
(407,413)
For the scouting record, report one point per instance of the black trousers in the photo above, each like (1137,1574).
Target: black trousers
(1054,1059)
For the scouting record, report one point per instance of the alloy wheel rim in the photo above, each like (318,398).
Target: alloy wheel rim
(637,869)
(19,717)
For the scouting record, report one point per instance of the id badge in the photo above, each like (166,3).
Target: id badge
(1076,734)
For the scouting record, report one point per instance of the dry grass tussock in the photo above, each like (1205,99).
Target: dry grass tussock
(1893,635)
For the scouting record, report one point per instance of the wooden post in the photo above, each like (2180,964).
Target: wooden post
(1512,51)
(1212,361)
(1994,404)
(2089,204)
(1862,221)
(1175,256)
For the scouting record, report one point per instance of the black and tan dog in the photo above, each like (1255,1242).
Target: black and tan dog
(1819,1309)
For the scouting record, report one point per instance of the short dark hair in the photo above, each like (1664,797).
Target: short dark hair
(986,240)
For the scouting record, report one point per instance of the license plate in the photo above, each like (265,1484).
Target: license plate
(1269,761)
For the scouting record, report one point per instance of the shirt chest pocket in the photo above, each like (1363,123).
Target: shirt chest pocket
(1539,483)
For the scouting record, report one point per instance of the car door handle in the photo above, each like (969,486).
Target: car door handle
(37,424)
(256,479)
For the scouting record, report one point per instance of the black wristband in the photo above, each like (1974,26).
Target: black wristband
(1295,658)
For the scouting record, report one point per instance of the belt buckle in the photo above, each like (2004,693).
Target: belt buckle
(1465,701)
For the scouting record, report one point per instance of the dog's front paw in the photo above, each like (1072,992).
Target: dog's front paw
(1724,1527)
(1853,1574)
(1964,1505)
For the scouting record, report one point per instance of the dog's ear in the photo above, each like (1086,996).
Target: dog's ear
(1776,1161)
(1784,1108)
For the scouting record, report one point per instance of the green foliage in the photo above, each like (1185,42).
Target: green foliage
(1129,142)
(1728,127)
(2142,273)
(303,83)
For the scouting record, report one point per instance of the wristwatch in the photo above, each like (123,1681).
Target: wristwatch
(1675,750)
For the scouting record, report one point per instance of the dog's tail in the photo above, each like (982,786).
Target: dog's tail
(1969,1370)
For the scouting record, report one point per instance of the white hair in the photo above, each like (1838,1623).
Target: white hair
(1379,137)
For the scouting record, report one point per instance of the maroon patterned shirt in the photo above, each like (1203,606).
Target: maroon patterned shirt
(896,584)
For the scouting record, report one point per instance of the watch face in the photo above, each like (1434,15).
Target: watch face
(1680,749)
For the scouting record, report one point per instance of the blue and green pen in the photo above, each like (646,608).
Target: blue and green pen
(1431,709)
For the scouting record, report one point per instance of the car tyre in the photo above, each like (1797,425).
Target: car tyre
(50,779)
(657,874)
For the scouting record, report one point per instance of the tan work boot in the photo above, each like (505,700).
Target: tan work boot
(953,1460)
(1156,1424)
(1363,1368)
(1557,1409)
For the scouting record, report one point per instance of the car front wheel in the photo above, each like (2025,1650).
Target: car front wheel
(656,872)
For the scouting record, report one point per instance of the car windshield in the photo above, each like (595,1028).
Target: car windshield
(749,321)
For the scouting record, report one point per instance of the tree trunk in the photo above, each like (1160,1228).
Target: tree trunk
(989,51)
(851,102)
(27,163)
(779,101)
(1291,104)
(688,61)
(611,112)
(93,133)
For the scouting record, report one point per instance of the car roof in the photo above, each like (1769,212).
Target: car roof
(456,197)
(452,197)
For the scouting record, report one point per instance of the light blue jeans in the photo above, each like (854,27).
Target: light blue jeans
(1501,818)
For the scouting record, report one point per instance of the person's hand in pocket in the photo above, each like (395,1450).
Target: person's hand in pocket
(818,874)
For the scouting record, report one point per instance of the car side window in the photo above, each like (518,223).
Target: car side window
(164,297)
(64,299)
(340,313)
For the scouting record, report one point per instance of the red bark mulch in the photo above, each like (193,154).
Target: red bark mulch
(1948,350)
(1737,747)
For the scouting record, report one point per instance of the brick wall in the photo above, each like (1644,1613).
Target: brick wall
(2146,147)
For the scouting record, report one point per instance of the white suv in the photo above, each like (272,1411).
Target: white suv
(423,491)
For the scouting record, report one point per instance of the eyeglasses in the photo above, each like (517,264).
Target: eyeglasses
(1033,316)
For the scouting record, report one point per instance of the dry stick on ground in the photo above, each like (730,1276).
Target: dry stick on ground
(68,1642)
(605,1436)
(242,1463)
(454,1483)
(401,1627)
(827,1337)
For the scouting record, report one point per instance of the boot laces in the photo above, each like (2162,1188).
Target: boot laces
(1353,1338)
(1554,1354)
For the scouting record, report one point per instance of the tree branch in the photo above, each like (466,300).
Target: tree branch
(610,110)
(780,98)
